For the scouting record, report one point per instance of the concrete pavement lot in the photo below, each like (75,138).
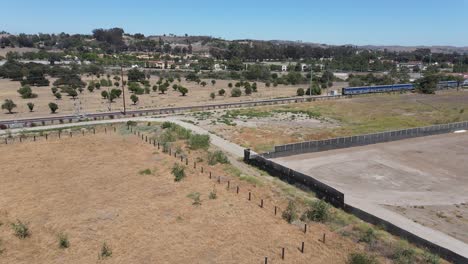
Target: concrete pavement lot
(410,176)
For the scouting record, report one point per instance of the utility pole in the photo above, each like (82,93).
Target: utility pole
(123,89)
(311,79)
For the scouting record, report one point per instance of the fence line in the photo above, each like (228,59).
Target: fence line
(362,140)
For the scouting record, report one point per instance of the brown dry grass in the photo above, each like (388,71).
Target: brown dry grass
(93,102)
(90,188)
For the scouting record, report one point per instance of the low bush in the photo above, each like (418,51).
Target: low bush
(319,211)
(63,241)
(21,229)
(404,254)
(197,141)
(195,196)
(105,251)
(361,258)
(217,157)
(290,214)
(213,194)
(178,171)
(146,172)
(368,236)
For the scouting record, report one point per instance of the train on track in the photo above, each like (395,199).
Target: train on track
(407,87)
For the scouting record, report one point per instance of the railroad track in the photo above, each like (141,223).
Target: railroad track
(24,122)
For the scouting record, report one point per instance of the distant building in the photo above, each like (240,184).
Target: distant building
(284,68)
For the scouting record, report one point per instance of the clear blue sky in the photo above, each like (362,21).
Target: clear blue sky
(389,22)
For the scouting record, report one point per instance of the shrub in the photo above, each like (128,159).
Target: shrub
(21,229)
(131,123)
(404,255)
(290,214)
(195,197)
(178,171)
(368,236)
(431,258)
(319,211)
(63,241)
(58,96)
(248,90)
(54,90)
(221,92)
(166,125)
(145,172)
(134,99)
(30,106)
(236,92)
(217,157)
(53,107)
(212,95)
(104,94)
(105,251)
(197,141)
(213,194)
(361,258)
(300,92)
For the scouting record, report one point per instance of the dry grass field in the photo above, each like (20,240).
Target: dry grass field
(264,127)
(95,190)
(93,102)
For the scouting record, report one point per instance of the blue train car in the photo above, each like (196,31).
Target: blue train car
(378,89)
(447,85)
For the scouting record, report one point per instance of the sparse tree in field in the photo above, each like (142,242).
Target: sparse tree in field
(116,84)
(147,90)
(91,88)
(248,90)
(171,79)
(221,92)
(98,86)
(238,84)
(175,87)
(275,84)
(30,106)
(183,90)
(116,93)
(179,80)
(267,84)
(212,96)
(160,81)
(117,78)
(54,90)
(8,104)
(300,92)
(236,92)
(72,93)
(105,94)
(203,83)
(162,88)
(134,99)
(26,92)
(428,84)
(230,85)
(213,82)
(80,89)
(58,95)
(254,87)
(53,107)
(155,88)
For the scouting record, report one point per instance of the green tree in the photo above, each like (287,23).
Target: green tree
(162,88)
(8,104)
(428,84)
(26,92)
(175,87)
(236,92)
(221,92)
(54,90)
(30,106)
(134,99)
(53,107)
(248,90)
(213,82)
(203,83)
(58,95)
(212,96)
(230,85)
(72,93)
(300,92)
(183,90)
(105,94)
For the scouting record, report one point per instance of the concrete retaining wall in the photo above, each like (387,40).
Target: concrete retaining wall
(361,140)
